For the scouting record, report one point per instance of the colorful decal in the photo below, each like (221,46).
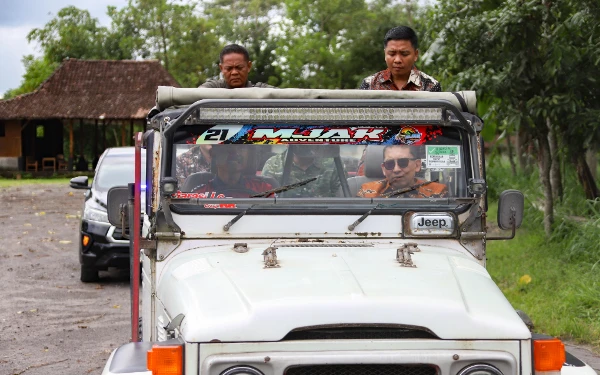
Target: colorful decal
(345,135)
(443,156)
(218,134)
(303,134)
(409,135)
(206,195)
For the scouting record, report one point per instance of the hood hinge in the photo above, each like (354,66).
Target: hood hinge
(403,254)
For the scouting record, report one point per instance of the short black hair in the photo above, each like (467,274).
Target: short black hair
(234,48)
(401,33)
(415,151)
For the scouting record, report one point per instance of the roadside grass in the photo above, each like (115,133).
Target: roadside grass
(10,182)
(555,280)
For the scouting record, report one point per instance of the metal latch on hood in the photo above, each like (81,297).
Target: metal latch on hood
(270,257)
(403,254)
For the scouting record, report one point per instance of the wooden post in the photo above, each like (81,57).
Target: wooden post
(95,140)
(123,143)
(81,138)
(103,135)
(71,145)
(131,132)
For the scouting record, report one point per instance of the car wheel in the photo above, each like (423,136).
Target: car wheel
(89,275)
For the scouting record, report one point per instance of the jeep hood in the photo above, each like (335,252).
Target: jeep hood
(229,296)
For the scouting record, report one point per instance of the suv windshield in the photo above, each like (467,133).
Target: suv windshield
(116,170)
(308,161)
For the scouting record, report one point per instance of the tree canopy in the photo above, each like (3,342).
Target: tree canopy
(532,62)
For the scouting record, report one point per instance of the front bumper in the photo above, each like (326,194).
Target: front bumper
(106,248)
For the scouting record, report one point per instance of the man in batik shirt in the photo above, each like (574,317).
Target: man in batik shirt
(400,165)
(305,164)
(401,52)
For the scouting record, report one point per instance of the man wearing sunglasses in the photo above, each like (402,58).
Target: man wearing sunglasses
(400,166)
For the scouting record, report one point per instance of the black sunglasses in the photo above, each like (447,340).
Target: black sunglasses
(402,163)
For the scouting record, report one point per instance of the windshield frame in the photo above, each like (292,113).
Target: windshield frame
(451,117)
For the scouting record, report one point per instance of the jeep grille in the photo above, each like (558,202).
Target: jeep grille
(373,369)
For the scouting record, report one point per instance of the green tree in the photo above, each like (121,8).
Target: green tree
(73,33)
(175,34)
(513,54)
(253,24)
(37,70)
(315,48)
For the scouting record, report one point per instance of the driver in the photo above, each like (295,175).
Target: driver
(400,165)
(230,181)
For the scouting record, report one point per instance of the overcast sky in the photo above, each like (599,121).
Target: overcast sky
(18,17)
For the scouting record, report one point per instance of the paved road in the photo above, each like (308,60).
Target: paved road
(586,355)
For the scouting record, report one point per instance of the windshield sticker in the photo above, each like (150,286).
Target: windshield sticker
(213,194)
(443,156)
(218,134)
(317,134)
(408,135)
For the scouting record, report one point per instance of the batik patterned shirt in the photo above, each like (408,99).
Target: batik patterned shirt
(376,189)
(418,81)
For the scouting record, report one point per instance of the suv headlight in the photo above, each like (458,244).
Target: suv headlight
(480,369)
(95,214)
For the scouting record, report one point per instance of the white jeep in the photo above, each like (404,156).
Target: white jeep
(319,232)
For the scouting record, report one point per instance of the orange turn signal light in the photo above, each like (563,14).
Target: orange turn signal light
(548,355)
(85,239)
(165,360)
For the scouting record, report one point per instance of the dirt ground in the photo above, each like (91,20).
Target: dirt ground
(50,322)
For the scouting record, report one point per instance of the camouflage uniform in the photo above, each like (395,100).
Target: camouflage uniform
(326,185)
(190,162)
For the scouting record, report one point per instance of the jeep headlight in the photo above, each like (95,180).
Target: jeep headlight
(480,369)
(241,370)
(94,213)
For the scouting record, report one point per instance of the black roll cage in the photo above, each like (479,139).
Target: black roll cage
(451,116)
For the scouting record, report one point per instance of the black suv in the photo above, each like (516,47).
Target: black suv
(101,245)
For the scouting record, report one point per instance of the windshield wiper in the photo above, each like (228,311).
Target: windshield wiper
(363,217)
(406,189)
(283,188)
(236,218)
(387,195)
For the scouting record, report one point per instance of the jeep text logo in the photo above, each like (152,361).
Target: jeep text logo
(431,224)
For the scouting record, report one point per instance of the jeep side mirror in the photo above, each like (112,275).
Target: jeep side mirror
(510,209)
(117,197)
(510,212)
(79,182)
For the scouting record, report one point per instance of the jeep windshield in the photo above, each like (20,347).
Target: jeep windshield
(305,163)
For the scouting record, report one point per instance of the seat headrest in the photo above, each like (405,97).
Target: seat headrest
(372,161)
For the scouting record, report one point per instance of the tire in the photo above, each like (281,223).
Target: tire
(89,275)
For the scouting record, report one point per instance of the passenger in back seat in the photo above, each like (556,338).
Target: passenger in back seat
(400,165)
